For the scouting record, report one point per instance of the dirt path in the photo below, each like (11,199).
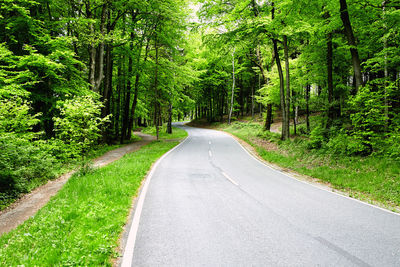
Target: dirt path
(29,204)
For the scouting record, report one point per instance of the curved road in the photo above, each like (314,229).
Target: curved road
(209,203)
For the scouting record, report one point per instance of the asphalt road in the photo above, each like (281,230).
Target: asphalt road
(209,203)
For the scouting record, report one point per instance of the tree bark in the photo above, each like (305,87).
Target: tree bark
(156,103)
(252,98)
(344,15)
(268,119)
(284,134)
(126,109)
(287,71)
(308,87)
(295,118)
(281,89)
(233,86)
(118,104)
(169,123)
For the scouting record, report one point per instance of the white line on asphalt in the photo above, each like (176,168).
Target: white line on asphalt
(209,153)
(209,142)
(130,244)
(230,179)
(305,182)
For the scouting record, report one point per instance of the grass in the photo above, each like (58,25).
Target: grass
(370,178)
(56,170)
(177,133)
(81,225)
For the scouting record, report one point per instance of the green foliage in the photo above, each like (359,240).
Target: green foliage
(24,162)
(15,117)
(79,124)
(317,138)
(392,144)
(345,144)
(12,81)
(368,118)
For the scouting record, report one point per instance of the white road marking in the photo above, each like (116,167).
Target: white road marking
(209,142)
(209,153)
(230,179)
(130,244)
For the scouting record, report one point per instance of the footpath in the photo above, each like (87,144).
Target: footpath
(29,204)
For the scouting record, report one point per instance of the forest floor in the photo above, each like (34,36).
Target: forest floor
(276,126)
(29,204)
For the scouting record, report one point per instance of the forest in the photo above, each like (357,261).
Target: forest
(77,74)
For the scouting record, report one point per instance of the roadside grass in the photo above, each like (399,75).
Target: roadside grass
(370,178)
(177,133)
(57,169)
(81,225)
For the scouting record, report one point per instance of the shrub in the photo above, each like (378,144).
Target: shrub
(23,161)
(392,145)
(302,129)
(79,124)
(316,138)
(369,119)
(345,144)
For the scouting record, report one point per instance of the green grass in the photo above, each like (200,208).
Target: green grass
(56,170)
(177,133)
(82,223)
(374,178)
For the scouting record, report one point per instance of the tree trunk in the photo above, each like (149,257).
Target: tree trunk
(287,71)
(156,103)
(282,89)
(107,91)
(284,133)
(295,118)
(118,104)
(344,15)
(308,87)
(233,86)
(252,99)
(268,119)
(169,123)
(135,97)
(126,109)
(92,62)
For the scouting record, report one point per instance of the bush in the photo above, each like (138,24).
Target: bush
(79,124)
(368,118)
(316,138)
(302,129)
(344,144)
(23,160)
(392,145)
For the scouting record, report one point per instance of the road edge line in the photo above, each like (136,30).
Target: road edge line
(305,182)
(130,243)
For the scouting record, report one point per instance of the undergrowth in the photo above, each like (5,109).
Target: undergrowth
(177,133)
